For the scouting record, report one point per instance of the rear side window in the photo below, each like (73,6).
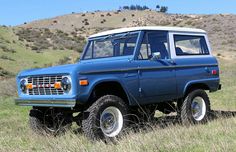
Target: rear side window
(190,45)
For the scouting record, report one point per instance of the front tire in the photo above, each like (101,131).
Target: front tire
(105,119)
(195,108)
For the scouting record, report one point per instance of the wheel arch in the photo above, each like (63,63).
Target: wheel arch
(195,85)
(108,86)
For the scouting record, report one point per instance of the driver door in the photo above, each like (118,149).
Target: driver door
(157,81)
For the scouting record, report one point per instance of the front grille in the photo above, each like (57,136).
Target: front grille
(44,85)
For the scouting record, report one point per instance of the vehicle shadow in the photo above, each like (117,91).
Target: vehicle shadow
(173,120)
(167,121)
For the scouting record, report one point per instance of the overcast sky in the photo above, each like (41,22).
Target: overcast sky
(15,12)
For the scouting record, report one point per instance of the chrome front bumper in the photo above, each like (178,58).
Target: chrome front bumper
(46,103)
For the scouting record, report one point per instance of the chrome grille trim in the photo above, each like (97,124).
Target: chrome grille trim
(44,85)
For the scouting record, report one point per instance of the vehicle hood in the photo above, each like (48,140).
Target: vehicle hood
(62,69)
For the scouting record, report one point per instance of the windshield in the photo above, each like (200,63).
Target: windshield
(111,46)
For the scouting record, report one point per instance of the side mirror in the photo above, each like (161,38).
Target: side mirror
(156,56)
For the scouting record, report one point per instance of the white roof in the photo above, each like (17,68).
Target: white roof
(160,28)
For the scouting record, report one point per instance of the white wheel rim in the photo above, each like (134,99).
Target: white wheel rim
(111,121)
(198,108)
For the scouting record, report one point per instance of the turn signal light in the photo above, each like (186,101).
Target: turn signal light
(29,86)
(57,85)
(214,72)
(83,82)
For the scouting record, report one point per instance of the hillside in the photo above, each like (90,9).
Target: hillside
(60,40)
(16,53)
(221,28)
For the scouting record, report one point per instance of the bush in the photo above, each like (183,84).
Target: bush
(6,49)
(108,14)
(34,48)
(5,73)
(64,60)
(124,19)
(4,57)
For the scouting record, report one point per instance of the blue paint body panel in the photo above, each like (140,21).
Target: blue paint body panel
(144,81)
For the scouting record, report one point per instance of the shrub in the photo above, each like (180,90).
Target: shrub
(189,22)
(86,23)
(83,15)
(34,47)
(108,14)
(64,60)
(6,49)
(102,15)
(124,19)
(5,73)
(4,57)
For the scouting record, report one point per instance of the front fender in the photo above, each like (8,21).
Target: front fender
(86,91)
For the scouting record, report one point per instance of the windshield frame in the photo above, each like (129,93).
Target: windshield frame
(124,34)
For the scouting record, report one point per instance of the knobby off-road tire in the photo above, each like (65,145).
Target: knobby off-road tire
(195,108)
(101,115)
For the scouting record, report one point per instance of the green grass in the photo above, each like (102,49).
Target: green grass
(25,58)
(217,135)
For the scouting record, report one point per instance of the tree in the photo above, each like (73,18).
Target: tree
(163,9)
(145,7)
(132,7)
(126,7)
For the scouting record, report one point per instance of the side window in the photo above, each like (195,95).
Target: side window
(152,42)
(190,45)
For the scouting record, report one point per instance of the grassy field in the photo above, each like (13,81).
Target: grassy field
(163,135)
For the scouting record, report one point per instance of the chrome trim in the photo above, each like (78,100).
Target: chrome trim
(46,103)
(147,68)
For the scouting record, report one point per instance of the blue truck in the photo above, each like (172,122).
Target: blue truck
(124,75)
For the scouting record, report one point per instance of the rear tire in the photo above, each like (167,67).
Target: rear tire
(195,108)
(106,119)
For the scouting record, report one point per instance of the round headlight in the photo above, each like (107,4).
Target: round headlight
(23,86)
(66,84)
